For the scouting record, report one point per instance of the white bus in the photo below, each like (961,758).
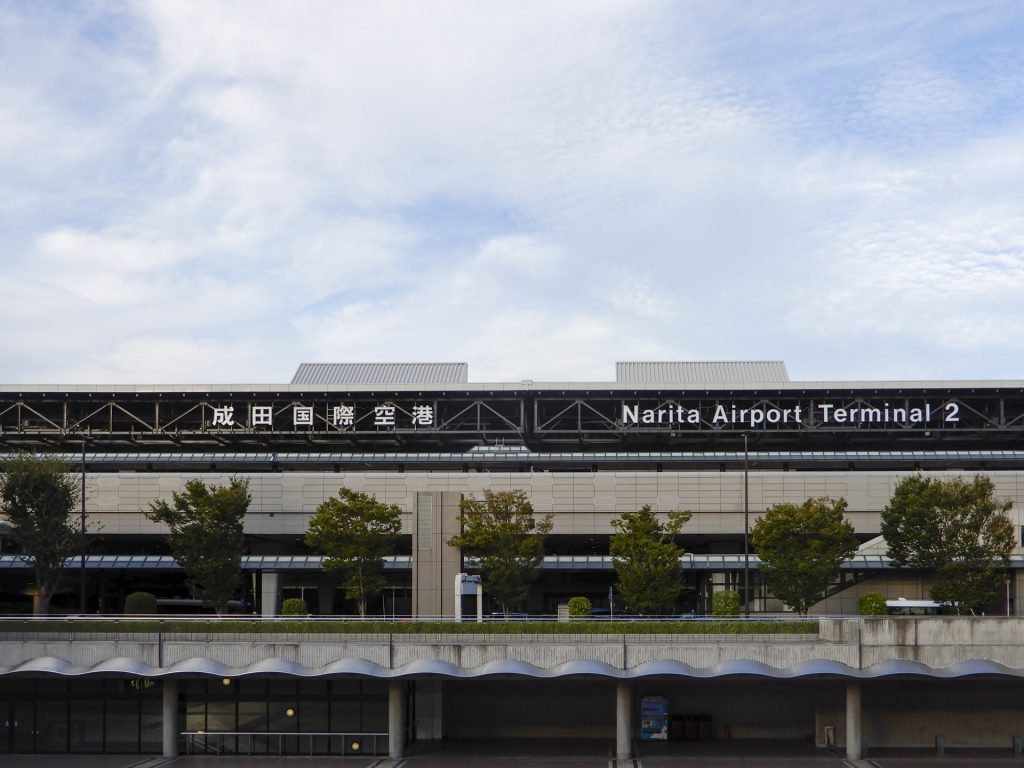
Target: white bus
(904,607)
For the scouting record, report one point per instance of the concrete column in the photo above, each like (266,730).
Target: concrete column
(170,717)
(434,563)
(623,720)
(853,721)
(269,586)
(396,719)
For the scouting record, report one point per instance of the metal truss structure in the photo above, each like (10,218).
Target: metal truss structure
(542,420)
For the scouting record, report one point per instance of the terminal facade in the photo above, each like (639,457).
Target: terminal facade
(723,440)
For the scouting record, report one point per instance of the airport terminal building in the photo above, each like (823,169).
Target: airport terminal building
(724,440)
(718,439)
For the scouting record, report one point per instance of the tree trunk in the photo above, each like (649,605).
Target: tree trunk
(42,604)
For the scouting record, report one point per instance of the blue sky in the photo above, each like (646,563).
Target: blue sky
(213,192)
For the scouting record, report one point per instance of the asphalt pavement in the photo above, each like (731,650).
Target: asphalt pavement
(559,753)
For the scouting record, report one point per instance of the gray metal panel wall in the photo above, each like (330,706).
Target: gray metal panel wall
(381,373)
(582,502)
(702,372)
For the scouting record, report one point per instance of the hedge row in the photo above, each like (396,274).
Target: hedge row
(415,627)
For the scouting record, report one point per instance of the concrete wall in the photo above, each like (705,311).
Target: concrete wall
(893,585)
(935,642)
(898,710)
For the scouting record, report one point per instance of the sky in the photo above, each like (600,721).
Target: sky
(214,192)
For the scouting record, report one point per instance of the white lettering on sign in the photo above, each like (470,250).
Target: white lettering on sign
(754,416)
(423,415)
(224,416)
(302,416)
(384,415)
(343,415)
(262,416)
(869,415)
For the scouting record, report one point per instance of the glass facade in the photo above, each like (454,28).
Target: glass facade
(87,715)
(262,713)
(122,715)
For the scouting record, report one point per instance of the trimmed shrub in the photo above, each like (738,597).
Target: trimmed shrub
(302,625)
(140,603)
(725,603)
(579,608)
(294,606)
(872,604)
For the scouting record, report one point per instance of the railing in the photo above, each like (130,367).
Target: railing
(512,617)
(353,744)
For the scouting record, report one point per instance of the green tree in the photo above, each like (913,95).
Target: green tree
(141,603)
(955,529)
(801,547)
(205,524)
(872,604)
(579,608)
(37,498)
(356,531)
(500,530)
(725,603)
(646,558)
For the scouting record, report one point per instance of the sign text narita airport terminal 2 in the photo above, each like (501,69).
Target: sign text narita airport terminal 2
(799,414)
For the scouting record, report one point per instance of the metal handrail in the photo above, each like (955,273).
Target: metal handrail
(497,617)
(347,737)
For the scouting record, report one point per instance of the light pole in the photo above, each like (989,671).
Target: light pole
(81,562)
(746,529)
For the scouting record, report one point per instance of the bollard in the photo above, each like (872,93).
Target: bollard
(940,745)
(1017,751)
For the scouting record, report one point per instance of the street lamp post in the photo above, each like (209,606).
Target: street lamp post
(81,562)
(746,529)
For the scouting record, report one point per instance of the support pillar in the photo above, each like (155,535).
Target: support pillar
(853,721)
(269,586)
(170,717)
(396,719)
(623,720)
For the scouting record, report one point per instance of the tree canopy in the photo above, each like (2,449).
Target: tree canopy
(501,531)
(801,547)
(646,558)
(206,538)
(957,530)
(37,498)
(356,531)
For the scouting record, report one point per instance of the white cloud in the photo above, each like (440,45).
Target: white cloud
(227,188)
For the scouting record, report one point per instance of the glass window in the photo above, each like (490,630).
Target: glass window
(151,735)
(52,725)
(123,724)
(86,726)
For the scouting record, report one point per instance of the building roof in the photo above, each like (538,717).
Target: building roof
(381,373)
(702,372)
